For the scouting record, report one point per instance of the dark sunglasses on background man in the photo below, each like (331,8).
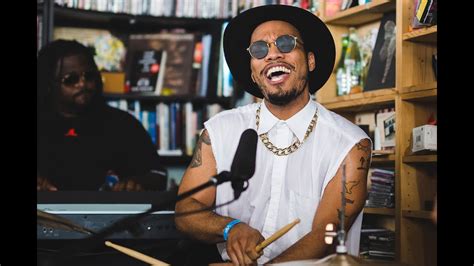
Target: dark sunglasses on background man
(73,78)
(284,43)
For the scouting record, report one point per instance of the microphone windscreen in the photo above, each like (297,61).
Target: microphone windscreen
(243,165)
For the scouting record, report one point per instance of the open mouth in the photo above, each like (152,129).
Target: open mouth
(277,74)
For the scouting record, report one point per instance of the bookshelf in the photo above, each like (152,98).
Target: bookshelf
(418,172)
(123,23)
(414,98)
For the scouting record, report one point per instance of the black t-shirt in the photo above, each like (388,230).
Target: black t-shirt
(76,153)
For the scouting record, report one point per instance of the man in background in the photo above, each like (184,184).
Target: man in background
(82,143)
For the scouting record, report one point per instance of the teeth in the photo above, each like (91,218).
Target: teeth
(276,69)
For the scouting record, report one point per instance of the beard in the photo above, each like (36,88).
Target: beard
(282,97)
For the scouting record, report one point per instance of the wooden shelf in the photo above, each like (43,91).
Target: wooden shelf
(157,98)
(380,211)
(383,152)
(416,214)
(363,14)
(425,35)
(357,102)
(429,95)
(381,159)
(420,87)
(430,158)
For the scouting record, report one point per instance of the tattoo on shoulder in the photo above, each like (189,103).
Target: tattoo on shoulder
(205,137)
(197,157)
(364,146)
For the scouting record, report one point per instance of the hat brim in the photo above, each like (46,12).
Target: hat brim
(316,37)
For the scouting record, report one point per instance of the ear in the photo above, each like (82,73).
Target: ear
(253,79)
(311,61)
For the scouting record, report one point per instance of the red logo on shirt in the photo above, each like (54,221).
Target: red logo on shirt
(71,133)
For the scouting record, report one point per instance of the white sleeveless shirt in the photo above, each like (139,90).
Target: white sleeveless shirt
(283,188)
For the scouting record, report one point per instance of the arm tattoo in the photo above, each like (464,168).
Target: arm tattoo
(363,146)
(350,185)
(197,157)
(362,162)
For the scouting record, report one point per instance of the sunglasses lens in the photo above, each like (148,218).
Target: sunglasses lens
(71,79)
(285,43)
(258,49)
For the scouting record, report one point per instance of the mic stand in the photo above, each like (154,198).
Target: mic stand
(129,222)
(341,257)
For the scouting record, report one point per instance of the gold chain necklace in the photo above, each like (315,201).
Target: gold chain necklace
(293,147)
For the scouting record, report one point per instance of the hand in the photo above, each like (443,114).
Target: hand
(241,244)
(127,185)
(44,184)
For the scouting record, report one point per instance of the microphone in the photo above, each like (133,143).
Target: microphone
(243,164)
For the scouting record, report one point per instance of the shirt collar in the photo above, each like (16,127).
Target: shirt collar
(267,119)
(298,123)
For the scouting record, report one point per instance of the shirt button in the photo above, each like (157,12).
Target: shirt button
(281,124)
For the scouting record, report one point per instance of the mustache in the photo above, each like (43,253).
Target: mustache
(85,91)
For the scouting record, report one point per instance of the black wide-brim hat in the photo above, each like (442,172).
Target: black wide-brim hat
(316,37)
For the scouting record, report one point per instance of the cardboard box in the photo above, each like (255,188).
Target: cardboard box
(425,138)
(114,82)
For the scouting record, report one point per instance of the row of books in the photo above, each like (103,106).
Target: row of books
(181,8)
(381,188)
(173,127)
(166,8)
(377,243)
(310,5)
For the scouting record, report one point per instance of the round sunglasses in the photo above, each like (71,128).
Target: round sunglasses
(73,78)
(285,44)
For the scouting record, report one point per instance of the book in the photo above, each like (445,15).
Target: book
(146,72)
(179,49)
(381,72)
(332,7)
(386,127)
(425,13)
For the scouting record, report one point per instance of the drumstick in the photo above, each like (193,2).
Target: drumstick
(276,235)
(135,254)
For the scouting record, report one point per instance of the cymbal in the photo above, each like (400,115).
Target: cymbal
(339,260)
(58,222)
